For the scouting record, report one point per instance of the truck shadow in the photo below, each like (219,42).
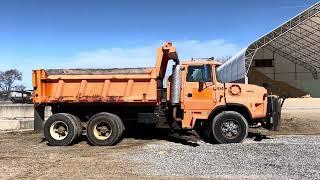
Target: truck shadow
(258,137)
(149,133)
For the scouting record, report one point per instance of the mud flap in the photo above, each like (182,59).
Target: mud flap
(39,114)
(274,112)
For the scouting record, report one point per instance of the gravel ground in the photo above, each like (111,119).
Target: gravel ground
(27,156)
(282,157)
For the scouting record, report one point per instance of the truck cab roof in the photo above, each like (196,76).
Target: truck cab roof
(200,62)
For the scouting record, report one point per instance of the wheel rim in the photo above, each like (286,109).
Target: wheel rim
(230,129)
(59,130)
(102,130)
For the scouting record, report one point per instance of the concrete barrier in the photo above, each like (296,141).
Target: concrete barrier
(18,116)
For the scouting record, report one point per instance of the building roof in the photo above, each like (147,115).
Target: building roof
(298,40)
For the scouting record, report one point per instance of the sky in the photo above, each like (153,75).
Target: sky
(36,34)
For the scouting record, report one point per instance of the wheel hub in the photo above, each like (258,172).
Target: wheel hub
(102,131)
(59,130)
(230,129)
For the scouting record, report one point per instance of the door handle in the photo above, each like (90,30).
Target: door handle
(189,94)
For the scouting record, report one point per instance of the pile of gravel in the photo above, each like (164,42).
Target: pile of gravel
(284,157)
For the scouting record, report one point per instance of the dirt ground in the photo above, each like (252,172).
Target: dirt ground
(301,116)
(26,155)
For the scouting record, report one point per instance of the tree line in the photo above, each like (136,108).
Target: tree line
(8,84)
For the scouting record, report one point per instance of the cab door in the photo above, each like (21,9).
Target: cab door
(198,88)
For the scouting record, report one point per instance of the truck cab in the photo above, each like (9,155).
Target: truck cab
(226,110)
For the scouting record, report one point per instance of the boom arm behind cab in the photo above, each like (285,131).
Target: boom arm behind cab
(164,54)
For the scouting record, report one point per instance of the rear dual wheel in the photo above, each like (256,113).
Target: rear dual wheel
(62,129)
(105,129)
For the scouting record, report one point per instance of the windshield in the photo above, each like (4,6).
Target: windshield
(199,74)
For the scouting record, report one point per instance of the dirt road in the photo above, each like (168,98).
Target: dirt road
(27,156)
(301,116)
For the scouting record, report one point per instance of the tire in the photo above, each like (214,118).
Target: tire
(79,126)
(122,127)
(67,126)
(229,127)
(105,129)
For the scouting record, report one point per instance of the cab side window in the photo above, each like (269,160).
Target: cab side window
(199,74)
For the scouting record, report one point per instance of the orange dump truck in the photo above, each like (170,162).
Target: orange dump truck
(101,102)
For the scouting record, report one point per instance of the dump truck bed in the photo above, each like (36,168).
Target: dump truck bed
(125,85)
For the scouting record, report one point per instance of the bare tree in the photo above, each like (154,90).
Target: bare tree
(7,79)
(224,58)
(21,88)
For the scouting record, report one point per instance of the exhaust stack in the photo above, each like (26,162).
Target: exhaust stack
(175,91)
(175,87)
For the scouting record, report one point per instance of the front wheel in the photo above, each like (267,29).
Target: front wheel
(229,127)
